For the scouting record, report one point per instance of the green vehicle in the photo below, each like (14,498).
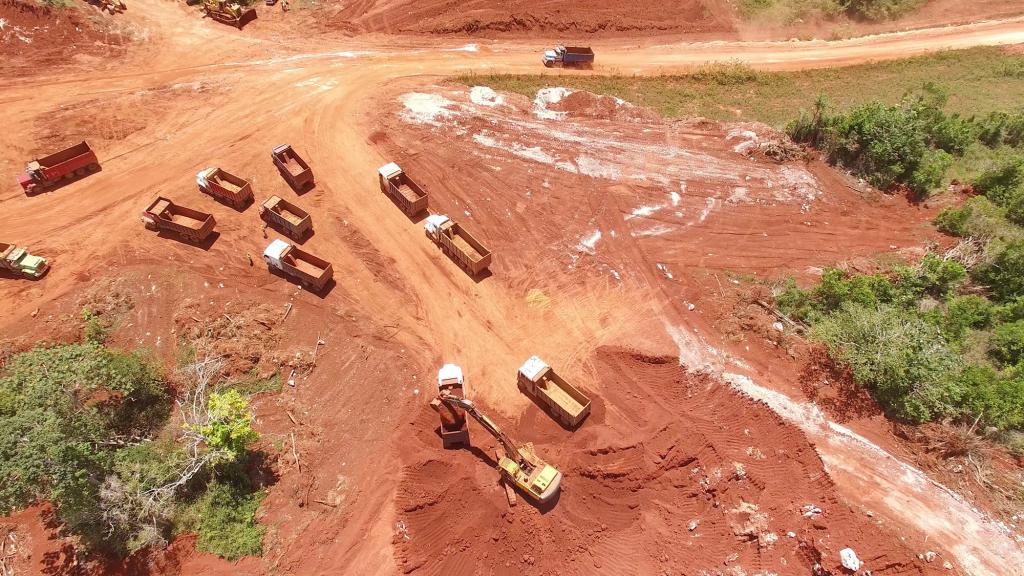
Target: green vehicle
(20,262)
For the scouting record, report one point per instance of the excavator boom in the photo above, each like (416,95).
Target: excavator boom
(511,450)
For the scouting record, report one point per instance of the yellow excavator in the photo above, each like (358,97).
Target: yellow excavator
(519,466)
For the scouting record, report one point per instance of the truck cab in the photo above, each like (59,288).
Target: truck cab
(275,254)
(554,55)
(434,225)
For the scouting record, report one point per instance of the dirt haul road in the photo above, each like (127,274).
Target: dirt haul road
(198,94)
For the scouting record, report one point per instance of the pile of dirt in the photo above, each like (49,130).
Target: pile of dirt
(540,18)
(601,107)
(685,472)
(242,334)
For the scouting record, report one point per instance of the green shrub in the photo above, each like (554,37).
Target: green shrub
(794,302)
(64,409)
(901,359)
(1007,343)
(999,401)
(1005,274)
(1010,311)
(224,520)
(965,313)
(1003,181)
(954,220)
(1000,127)
(96,330)
(880,9)
(910,144)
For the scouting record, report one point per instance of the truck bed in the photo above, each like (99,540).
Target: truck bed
(466,247)
(220,180)
(407,192)
(552,388)
(306,267)
(64,155)
(288,215)
(291,164)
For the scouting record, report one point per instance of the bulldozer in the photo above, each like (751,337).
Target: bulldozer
(231,13)
(519,466)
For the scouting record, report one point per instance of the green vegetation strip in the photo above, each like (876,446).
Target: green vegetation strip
(979,81)
(90,429)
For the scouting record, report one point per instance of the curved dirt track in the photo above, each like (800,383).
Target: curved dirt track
(213,96)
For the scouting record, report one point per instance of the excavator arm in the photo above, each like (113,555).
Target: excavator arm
(511,450)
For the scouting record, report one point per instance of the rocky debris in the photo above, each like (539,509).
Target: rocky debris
(810,511)
(849,559)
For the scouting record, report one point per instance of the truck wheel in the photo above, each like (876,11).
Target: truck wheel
(80,172)
(93,167)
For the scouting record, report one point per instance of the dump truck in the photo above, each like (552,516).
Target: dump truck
(581,56)
(69,163)
(311,272)
(225,187)
(454,431)
(565,402)
(18,261)
(230,13)
(165,215)
(293,168)
(406,193)
(458,243)
(519,466)
(286,217)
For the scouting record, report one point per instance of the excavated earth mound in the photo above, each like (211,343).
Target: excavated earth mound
(682,476)
(540,18)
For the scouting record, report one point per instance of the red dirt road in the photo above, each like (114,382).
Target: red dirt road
(202,95)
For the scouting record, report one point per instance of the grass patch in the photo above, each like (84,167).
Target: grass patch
(978,81)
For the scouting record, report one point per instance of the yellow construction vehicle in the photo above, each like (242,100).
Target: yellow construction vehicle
(519,466)
(230,13)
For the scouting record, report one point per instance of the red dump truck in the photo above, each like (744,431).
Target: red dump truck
(67,164)
(312,273)
(225,187)
(164,215)
(286,217)
(562,400)
(458,243)
(293,168)
(406,193)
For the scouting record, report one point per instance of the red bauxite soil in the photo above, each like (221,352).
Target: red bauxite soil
(541,18)
(683,476)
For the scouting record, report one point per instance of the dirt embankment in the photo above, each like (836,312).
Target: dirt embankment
(672,470)
(35,37)
(542,18)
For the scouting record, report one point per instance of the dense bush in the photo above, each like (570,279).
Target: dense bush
(912,143)
(998,400)
(1007,343)
(64,412)
(1004,276)
(880,9)
(224,520)
(900,358)
(864,9)
(87,428)
(1002,128)
(904,336)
